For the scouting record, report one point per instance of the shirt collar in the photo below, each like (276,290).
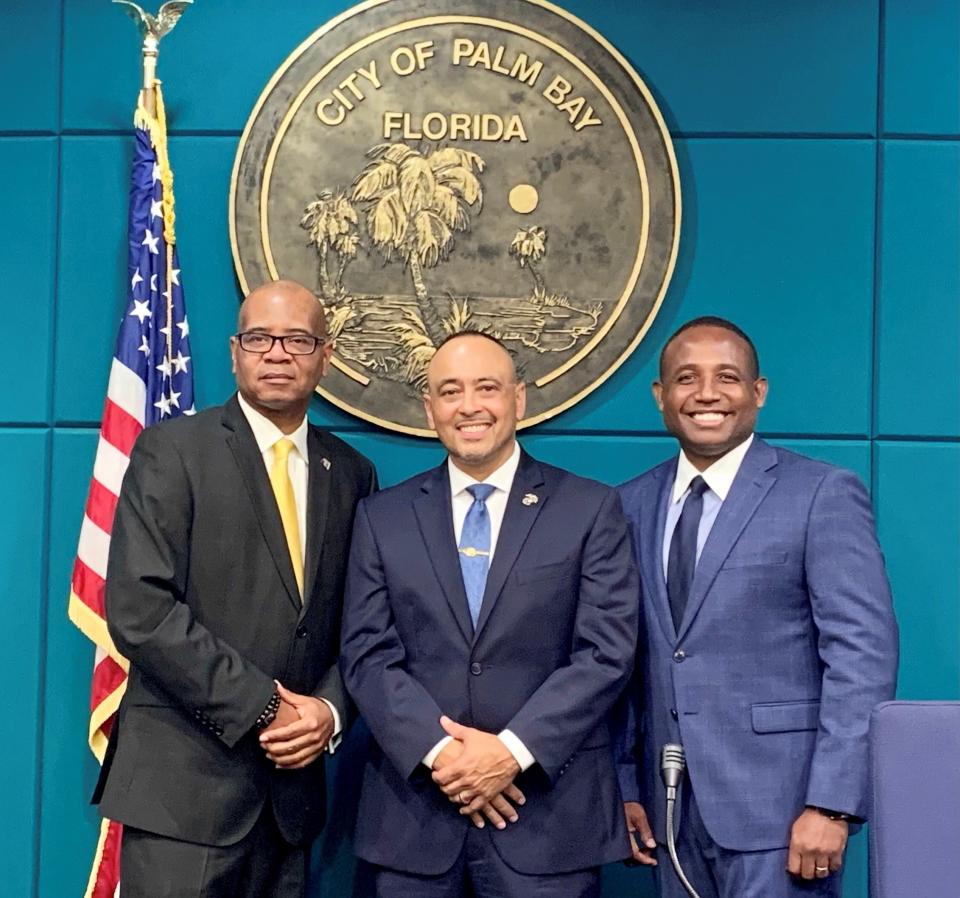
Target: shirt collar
(719,476)
(267,434)
(502,478)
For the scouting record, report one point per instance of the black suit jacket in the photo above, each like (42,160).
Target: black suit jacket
(201,598)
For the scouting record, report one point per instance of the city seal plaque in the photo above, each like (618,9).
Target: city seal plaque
(491,165)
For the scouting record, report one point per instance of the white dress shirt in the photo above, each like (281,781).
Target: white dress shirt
(461,500)
(719,478)
(267,435)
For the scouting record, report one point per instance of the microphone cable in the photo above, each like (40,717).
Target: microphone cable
(672,765)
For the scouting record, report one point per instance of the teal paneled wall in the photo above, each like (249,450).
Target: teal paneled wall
(819,146)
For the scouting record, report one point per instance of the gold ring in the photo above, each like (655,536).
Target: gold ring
(461,798)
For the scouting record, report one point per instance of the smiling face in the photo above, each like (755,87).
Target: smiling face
(709,393)
(277,384)
(473,402)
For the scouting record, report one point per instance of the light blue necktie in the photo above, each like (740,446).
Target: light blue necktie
(475,548)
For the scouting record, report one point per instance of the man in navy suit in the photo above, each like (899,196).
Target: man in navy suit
(490,623)
(767,638)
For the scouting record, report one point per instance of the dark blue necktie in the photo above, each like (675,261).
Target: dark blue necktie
(475,548)
(682,560)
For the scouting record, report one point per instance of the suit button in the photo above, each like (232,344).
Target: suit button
(673,714)
(679,655)
(476,669)
(301,632)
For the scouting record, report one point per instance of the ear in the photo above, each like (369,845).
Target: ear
(760,387)
(521,397)
(657,389)
(428,408)
(327,352)
(234,348)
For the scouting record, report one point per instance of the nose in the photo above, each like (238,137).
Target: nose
(277,353)
(707,391)
(468,402)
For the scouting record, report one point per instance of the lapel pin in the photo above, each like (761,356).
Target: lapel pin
(326,463)
(530,499)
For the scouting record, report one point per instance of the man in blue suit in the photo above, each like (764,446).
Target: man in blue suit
(490,623)
(767,638)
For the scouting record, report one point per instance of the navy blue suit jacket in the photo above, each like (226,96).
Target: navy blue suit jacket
(787,643)
(553,648)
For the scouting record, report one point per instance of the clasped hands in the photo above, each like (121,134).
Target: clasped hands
(476,770)
(299,733)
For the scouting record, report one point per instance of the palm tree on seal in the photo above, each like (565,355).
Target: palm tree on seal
(331,221)
(416,202)
(529,246)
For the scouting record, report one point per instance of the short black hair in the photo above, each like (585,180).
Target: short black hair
(715,321)
(469,332)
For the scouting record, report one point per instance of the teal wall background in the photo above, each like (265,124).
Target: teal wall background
(819,146)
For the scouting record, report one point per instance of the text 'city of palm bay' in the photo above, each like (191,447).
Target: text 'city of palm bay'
(406,60)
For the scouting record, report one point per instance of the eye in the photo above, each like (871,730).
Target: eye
(685,378)
(300,342)
(257,341)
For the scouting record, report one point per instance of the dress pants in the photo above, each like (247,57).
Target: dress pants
(717,872)
(261,865)
(480,872)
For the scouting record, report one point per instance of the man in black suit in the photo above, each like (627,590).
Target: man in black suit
(230,619)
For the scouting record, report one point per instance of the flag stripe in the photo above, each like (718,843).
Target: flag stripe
(109,466)
(101,506)
(94,547)
(119,427)
(127,390)
(88,587)
(107,677)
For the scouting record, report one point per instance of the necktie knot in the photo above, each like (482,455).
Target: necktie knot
(281,450)
(481,491)
(698,486)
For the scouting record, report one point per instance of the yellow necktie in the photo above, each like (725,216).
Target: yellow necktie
(283,490)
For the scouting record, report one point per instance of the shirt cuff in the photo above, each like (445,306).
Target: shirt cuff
(521,754)
(337,736)
(431,755)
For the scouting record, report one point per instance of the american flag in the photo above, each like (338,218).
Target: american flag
(151,378)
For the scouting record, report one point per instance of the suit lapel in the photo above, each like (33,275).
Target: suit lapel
(257,483)
(318,500)
(518,519)
(651,561)
(435,517)
(750,486)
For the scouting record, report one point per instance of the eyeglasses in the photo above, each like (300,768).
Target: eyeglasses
(294,344)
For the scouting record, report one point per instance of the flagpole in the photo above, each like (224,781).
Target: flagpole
(150,52)
(153,28)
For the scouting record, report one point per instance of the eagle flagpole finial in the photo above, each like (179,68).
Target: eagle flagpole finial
(152,29)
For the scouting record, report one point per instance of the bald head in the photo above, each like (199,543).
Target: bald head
(471,343)
(286,297)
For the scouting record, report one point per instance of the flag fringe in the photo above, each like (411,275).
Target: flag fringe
(157,127)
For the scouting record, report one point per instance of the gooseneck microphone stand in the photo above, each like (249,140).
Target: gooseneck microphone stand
(672,764)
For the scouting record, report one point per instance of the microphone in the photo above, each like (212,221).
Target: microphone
(672,764)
